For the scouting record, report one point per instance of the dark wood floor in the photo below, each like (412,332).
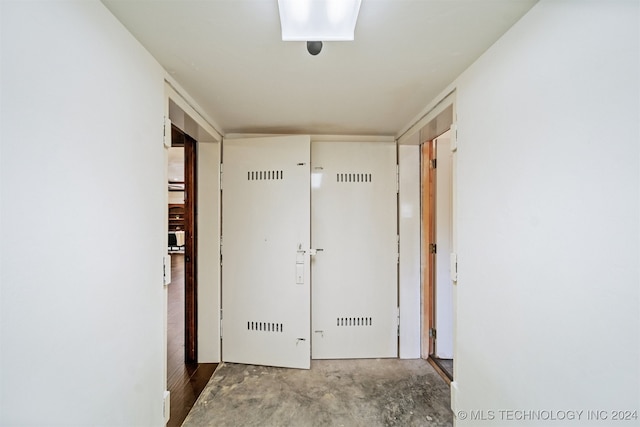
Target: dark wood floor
(184,381)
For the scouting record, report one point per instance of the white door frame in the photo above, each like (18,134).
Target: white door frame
(438,116)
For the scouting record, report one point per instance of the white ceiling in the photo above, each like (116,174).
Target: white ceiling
(228,55)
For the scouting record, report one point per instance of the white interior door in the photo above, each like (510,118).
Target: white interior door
(443,236)
(354,277)
(265,265)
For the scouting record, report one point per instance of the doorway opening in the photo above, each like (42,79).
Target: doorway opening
(299,211)
(437,245)
(182,229)
(186,378)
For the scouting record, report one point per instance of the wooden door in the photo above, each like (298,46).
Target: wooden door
(190,251)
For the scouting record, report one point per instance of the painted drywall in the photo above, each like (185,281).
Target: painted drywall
(175,197)
(83,220)
(208,252)
(176,162)
(548,219)
(443,238)
(409,226)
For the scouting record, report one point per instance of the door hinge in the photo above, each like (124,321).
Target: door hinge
(453,266)
(398,249)
(432,248)
(432,333)
(166,269)
(433,163)
(398,320)
(453,142)
(397,179)
(221,176)
(220,323)
(166,405)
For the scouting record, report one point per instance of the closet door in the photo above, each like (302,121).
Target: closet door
(354,222)
(265,258)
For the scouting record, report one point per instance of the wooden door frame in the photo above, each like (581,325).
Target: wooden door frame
(428,203)
(180,139)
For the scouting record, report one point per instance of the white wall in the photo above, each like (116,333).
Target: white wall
(175,197)
(548,218)
(208,252)
(409,220)
(83,220)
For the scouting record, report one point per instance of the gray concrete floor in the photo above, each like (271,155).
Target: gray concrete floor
(371,392)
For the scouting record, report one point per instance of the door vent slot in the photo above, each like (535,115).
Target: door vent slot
(264,175)
(354,321)
(354,177)
(264,326)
